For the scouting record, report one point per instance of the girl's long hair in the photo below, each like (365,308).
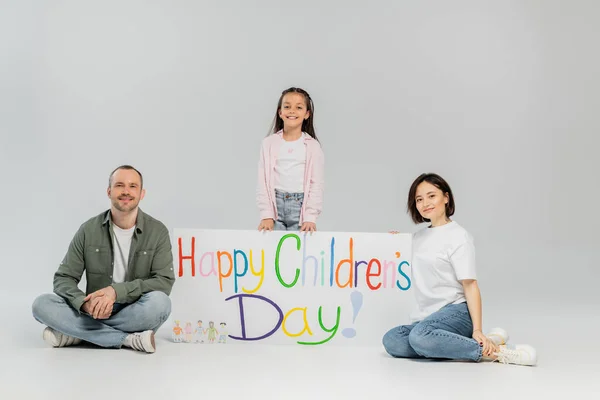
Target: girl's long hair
(307,124)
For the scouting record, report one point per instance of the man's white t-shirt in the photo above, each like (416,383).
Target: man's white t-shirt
(442,256)
(290,166)
(121,246)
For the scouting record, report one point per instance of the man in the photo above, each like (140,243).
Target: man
(128,263)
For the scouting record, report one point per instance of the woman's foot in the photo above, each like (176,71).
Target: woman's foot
(520,354)
(498,335)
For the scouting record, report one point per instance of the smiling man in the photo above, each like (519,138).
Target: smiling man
(128,264)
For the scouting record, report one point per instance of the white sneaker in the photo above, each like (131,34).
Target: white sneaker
(141,341)
(520,354)
(498,335)
(56,339)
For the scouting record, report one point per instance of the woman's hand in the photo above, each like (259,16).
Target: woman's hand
(488,347)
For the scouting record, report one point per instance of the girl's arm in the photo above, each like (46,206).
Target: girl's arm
(473,296)
(265,207)
(314,200)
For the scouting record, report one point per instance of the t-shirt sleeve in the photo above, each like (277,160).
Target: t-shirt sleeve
(463,261)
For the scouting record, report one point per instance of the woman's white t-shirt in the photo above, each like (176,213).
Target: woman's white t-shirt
(442,256)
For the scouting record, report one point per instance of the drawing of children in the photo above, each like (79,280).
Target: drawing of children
(212,332)
(188,332)
(177,331)
(199,331)
(223,333)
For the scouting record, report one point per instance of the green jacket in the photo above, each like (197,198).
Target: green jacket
(150,265)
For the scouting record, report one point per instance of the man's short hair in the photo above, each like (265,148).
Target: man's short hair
(125,167)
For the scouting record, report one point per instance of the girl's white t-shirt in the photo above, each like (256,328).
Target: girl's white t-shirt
(290,166)
(442,256)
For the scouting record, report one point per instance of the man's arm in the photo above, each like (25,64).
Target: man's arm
(161,277)
(70,271)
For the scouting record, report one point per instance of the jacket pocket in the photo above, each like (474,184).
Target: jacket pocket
(142,263)
(98,259)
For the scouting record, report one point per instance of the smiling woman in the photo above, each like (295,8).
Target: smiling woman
(447,322)
(430,199)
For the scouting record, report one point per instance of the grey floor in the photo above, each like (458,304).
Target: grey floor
(567,346)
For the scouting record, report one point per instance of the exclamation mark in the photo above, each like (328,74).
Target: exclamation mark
(356,298)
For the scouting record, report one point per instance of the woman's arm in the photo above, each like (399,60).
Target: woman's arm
(473,296)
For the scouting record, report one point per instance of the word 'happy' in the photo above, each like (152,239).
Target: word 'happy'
(344,273)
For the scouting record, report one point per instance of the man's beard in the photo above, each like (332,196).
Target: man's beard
(129,207)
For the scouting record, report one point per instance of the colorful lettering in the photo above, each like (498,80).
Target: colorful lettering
(190,257)
(290,235)
(221,275)
(260,273)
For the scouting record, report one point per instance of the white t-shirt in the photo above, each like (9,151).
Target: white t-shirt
(442,256)
(290,166)
(123,236)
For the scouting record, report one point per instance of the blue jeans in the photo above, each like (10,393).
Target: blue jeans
(289,206)
(148,313)
(445,334)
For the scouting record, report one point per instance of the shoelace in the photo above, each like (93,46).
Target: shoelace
(509,356)
(137,342)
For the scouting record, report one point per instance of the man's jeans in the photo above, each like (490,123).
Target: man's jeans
(148,313)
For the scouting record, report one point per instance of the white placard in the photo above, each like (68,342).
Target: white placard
(289,287)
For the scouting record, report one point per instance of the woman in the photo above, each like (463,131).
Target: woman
(447,322)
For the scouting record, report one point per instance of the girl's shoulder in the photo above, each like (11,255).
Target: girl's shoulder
(272,138)
(312,143)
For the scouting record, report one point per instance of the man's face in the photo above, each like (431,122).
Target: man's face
(125,191)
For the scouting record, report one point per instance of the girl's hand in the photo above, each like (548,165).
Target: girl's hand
(308,227)
(266,224)
(488,347)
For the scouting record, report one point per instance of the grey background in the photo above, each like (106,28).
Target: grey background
(500,98)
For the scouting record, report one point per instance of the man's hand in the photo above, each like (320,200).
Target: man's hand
(99,304)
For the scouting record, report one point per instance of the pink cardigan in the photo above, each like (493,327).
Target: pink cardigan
(314,178)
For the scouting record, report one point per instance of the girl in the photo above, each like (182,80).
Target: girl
(447,321)
(290,170)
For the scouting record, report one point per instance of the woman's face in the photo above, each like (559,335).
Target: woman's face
(431,202)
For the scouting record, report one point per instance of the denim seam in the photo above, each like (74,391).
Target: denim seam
(428,324)
(463,338)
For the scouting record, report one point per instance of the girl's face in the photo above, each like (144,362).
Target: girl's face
(293,110)
(431,202)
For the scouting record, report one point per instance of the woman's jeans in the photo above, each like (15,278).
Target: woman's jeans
(445,334)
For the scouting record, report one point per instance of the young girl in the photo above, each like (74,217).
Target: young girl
(447,321)
(290,170)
